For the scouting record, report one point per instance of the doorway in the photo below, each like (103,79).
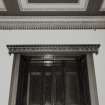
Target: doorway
(53,75)
(53,82)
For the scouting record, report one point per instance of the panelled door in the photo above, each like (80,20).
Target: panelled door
(53,85)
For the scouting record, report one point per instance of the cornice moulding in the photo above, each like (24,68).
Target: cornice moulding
(52,22)
(21,49)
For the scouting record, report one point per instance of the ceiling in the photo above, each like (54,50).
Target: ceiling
(52,7)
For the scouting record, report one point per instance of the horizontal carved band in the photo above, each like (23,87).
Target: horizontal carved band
(52,22)
(53,48)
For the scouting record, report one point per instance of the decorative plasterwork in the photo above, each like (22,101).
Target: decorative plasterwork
(52,14)
(24,5)
(103,6)
(2,6)
(53,48)
(52,22)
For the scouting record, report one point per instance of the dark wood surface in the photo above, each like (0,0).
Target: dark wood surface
(63,84)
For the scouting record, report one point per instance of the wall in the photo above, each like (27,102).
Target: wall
(50,37)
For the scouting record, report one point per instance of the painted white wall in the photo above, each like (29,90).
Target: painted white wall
(50,37)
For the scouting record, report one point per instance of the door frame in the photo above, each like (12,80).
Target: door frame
(61,52)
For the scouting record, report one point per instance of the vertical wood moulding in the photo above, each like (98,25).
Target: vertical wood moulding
(14,80)
(92,80)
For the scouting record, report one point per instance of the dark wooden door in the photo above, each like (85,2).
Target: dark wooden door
(53,85)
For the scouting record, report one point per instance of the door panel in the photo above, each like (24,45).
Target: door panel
(53,86)
(59,88)
(39,88)
(47,88)
(35,88)
(72,88)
